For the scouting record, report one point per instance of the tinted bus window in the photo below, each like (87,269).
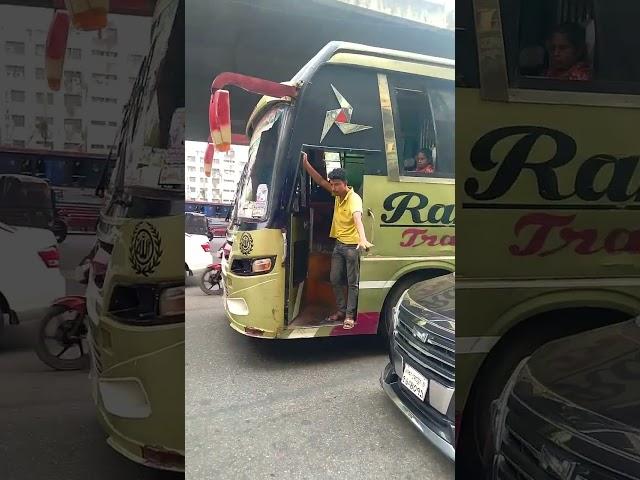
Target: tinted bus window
(587,45)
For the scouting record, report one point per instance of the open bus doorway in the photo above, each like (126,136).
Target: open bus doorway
(311,296)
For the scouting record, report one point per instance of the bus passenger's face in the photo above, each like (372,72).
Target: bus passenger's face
(421,160)
(562,54)
(338,188)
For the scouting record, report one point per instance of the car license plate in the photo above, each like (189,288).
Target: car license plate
(415,382)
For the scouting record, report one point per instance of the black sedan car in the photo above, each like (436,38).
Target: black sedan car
(571,411)
(420,377)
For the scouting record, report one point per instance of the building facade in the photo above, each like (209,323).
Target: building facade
(99,71)
(225,173)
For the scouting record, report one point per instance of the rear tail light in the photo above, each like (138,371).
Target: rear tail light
(50,257)
(219,232)
(206,247)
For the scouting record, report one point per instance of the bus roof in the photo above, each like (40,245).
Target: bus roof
(360,55)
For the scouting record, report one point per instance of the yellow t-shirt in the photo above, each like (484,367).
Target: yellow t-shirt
(343,227)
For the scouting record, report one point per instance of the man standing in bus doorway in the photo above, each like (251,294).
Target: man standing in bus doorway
(348,230)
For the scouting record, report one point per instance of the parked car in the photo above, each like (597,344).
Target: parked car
(570,410)
(27,201)
(29,256)
(420,377)
(197,249)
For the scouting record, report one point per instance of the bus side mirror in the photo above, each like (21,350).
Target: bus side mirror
(220,120)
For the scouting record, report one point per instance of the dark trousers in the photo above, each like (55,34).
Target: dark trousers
(345,270)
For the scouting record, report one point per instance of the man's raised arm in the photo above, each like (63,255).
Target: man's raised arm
(323,182)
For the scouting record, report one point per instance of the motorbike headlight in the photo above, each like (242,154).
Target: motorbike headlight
(171,302)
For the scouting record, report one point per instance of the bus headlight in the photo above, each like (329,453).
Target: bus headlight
(171,302)
(261,265)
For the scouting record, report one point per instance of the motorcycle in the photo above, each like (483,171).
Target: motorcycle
(211,278)
(63,329)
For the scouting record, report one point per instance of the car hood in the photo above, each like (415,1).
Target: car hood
(434,299)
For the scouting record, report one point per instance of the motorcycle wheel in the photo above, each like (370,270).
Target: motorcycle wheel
(210,282)
(58,336)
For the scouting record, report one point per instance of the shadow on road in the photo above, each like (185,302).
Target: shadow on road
(313,350)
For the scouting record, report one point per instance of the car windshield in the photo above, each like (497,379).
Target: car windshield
(255,192)
(195,225)
(25,203)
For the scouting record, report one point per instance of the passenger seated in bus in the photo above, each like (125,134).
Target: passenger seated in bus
(348,230)
(424,163)
(567,50)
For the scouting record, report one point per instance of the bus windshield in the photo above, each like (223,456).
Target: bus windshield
(255,190)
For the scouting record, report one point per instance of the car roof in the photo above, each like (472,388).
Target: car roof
(24,178)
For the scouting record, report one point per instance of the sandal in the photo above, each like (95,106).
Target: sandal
(349,323)
(336,317)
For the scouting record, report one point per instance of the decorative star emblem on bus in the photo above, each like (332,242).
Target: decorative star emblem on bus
(341,117)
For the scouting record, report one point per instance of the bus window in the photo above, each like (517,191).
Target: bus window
(584,45)
(424,119)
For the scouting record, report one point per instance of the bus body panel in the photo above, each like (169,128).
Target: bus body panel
(137,367)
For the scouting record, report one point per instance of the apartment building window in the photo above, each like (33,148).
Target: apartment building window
(44,120)
(15,71)
(98,123)
(192,189)
(44,144)
(71,101)
(104,100)
(40,98)
(192,179)
(15,48)
(201,169)
(19,143)
(72,77)
(40,49)
(72,127)
(97,146)
(103,53)
(18,120)
(17,96)
(191,169)
(191,158)
(72,146)
(74,53)
(104,78)
(39,73)
(113,124)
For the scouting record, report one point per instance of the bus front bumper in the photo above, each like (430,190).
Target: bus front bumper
(137,378)
(254,304)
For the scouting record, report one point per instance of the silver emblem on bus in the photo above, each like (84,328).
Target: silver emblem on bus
(341,117)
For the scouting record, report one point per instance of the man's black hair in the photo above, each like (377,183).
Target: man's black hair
(338,174)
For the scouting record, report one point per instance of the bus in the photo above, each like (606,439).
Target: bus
(214,210)
(135,293)
(368,110)
(547,193)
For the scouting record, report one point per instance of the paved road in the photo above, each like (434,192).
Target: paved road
(48,427)
(304,409)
